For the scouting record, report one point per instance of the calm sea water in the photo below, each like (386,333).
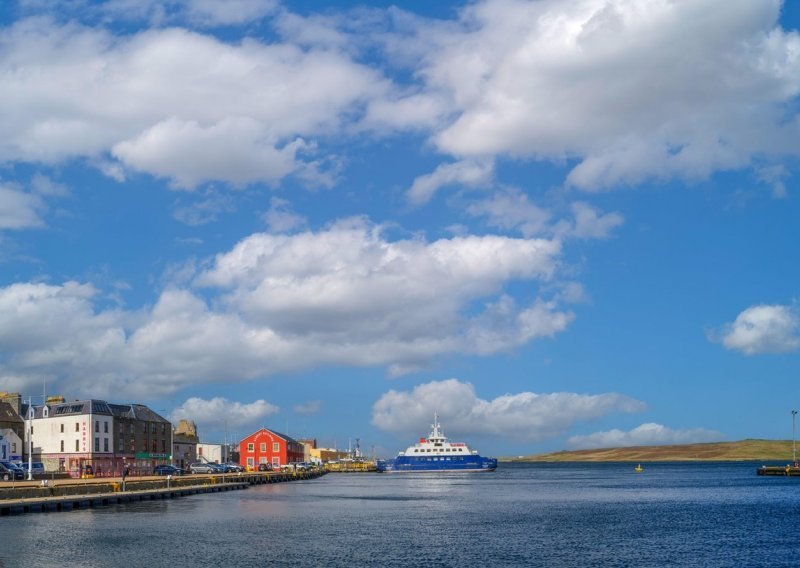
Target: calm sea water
(521,515)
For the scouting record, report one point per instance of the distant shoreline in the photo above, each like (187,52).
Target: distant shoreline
(743,450)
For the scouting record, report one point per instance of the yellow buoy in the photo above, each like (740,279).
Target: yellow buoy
(638,468)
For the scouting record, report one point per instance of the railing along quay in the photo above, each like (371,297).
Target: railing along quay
(66,495)
(779,470)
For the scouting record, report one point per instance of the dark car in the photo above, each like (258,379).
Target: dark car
(11,472)
(165,469)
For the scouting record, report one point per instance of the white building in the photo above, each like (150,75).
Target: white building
(68,435)
(212,452)
(10,445)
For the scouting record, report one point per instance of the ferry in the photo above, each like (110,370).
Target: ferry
(435,454)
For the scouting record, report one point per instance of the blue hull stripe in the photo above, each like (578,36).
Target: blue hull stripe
(406,464)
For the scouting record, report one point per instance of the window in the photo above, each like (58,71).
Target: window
(262,460)
(105,427)
(105,444)
(121,428)
(62,428)
(163,428)
(96,425)
(163,446)
(251,447)
(77,427)
(152,427)
(97,444)
(250,463)
(154,446)
(77,446)
(276,447)
(263,446)
(131,428)
(62,446)
(121,445)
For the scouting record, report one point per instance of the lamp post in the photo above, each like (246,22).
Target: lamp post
(794,444)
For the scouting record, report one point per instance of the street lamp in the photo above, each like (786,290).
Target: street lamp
(794,444)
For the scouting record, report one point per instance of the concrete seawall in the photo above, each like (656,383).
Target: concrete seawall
(66,495)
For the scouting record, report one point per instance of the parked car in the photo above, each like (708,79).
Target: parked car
(202,467)
(264,467)
(234,467)
(10,472)
(37,468)
(166,469)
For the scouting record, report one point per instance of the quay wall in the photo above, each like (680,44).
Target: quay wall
(66,495)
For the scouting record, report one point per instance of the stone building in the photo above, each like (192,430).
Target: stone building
(184,444)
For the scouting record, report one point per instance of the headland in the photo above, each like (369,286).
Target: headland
(742,450)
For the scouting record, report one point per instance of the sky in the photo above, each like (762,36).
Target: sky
(560,224)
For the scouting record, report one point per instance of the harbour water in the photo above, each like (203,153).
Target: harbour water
(520,515)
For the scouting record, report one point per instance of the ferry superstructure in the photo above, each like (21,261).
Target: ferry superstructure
(436,454)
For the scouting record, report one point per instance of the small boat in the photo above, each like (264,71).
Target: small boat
(435,454)
(638,468)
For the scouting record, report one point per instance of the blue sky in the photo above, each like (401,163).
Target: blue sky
(560,223)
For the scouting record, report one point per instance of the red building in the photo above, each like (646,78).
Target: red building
(266,446)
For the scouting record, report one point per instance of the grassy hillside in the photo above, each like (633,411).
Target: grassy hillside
(744,450)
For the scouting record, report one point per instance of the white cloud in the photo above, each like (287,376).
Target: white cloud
(408,298)
(510,209)
(218,412)
(469,173)
(280,218)
(525,416)
(648,434)
(310,407)
(19,209)
(592,224)
(763,329)
(282,304)
(171,102)
(632,89)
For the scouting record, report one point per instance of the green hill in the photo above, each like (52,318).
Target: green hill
(743,450)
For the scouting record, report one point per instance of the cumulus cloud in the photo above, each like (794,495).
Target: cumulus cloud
(469,173)
(524,416)
(195,108)
(511,210)
(649,434)
(633,90)
(282,304)
(762,329)
(218,412)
